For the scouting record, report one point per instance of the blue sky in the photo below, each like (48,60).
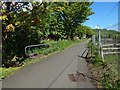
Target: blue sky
(106,14)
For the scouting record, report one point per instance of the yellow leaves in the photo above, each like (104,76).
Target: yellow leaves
(9,28)
(55,0)
(59,8)
(17,23)
(4,17)
(0,17)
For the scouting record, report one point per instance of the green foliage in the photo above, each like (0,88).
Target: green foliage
(54,46)
(89,31)
(108,70)
(108,34)
(75,13)
(7,71)
(27,23)
(82,30)
(96,58)
(16,33)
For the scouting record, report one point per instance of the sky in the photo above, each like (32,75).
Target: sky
(106,14)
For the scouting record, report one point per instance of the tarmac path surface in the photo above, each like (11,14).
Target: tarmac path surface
(52,72)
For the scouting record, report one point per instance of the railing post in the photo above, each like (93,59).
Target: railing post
(26,50)
(93,40)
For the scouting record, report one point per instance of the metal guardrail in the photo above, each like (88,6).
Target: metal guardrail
(36,45)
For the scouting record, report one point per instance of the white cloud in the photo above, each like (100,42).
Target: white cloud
(97,27)
(113,27)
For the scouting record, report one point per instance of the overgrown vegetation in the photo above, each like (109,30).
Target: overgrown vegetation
(107,71)
(53,46)
(42,54)
(27,23)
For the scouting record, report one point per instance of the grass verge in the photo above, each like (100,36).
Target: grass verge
(107,71)
(45,52)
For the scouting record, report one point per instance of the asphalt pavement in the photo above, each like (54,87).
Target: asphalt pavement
(52,72)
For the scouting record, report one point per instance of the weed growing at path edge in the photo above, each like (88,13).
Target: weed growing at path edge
(54,46)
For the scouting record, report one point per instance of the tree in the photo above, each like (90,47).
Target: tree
(9,12)
(20,28)
(75,13)
(89,31)
(25,23)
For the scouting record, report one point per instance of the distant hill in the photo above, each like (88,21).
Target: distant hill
(108,33)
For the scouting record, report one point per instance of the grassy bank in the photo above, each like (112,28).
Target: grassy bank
(107,71)
(52,46)
(42,54)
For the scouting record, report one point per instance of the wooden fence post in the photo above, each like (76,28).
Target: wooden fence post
(100,44)
(99,41)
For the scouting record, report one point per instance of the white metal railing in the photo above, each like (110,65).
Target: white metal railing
(29,46)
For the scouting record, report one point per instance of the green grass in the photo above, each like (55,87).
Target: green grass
(54,47)
(7,71)
(107,71)
(113,62)
(112,75)
(112,58)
